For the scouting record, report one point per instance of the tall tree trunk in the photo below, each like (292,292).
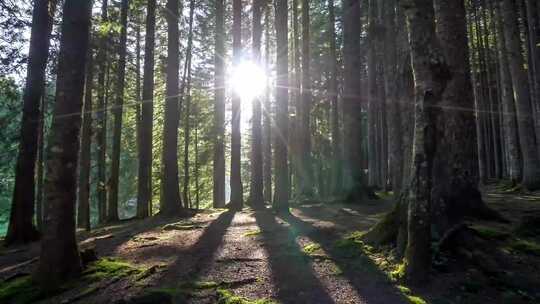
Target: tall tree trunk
(508,104)
(21,228)
(395,137)
(256,187)
(83,213)
(197,190)
(112,207)
(305,159)
(186,91)
(236,202)
(219,109)
(430,76)
(337,173)
(101,142)
(296,100)
(267,117)
(59,257)
(529,149)
(281,197)
(171,203)
(373,96)
(40,163)
(355,186)
(144,189)
(533,21)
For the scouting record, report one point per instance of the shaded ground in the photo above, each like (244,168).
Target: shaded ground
(293,259)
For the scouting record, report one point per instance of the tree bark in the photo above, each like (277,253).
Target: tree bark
(21,228)
(281,197)
(112,207)
(59,258)
(171,202)
(83,214)
(219,110)
(186,91)
(40,163)
(267,116)
(144,182)
(237,199)
(354,180)
(525,121)
(256,187)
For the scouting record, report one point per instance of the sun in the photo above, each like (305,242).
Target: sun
(248,80)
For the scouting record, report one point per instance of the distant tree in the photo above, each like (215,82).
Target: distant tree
(59,257)
(21,228)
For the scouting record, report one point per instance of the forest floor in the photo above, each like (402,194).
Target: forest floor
(311,256)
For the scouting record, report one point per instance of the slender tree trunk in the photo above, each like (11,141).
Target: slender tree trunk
(101,142)
(529,149)
(171,203)
(337,173)
(40,162)
(373,97)
(508,105)
(267,117)
(197,191)
(236,202)
(112,207)
(355,186)
(144,189)
(305,173)
(186,91)
(281,197)
(59,257)
(219,109)
(83,213)
(21,228)
(256,186)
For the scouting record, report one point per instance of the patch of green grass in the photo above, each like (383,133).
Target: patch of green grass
(252,233)
(415,300)
(227,297)
(525,246)
(399,272)
(490,233)
(311,248)
(108,268)
(20,290)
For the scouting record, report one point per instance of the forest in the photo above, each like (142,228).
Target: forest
(270,151)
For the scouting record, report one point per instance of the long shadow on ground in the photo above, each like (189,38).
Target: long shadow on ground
(292,273)
(371,284)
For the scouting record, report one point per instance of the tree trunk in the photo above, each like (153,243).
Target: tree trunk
(305,173)
(337,174)
(171,203)
(533,21)
(219,110)
(59,258)
(355,187)
(186,91)
(373,96)
(529,149)
(83,214)
(40,163)
(508,105)
(281,197)
(144,189)
(267,117)
(112,207)
(101,142)
(256,187)
(21,228)
(236,202)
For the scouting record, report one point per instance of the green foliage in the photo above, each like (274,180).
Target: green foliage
(227,297)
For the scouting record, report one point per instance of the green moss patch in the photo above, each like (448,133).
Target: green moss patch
(252,233)
(227,297)
(490,233)
(108,268)
(311,248)
(20,290)
(525,246)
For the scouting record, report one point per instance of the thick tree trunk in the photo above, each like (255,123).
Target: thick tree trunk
(354,182)
(59,258)
(144,182)
(533,21)
(373,97)
(171,203)
(267,116)
(237,199)
(508,105)
(256,187)
(529,149)
(83,211)
(40,171)
(101,142)
(281,197)
(112,207)
(219,110)
(21,228)
(186,91)
(337,174)
(305,173)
